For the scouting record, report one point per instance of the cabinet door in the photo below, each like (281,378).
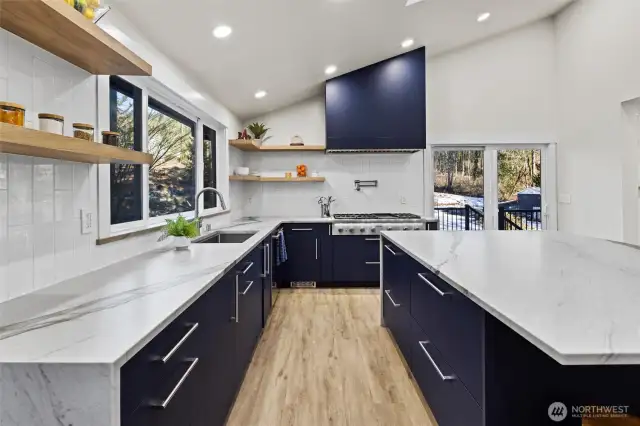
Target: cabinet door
(356,259)
(303,252)
(267,280)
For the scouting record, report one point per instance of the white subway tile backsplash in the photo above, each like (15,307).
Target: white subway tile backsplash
(63,175)
(44,255)
(20,268)
(20,190)
(3,171)
(64,206)
(81,189)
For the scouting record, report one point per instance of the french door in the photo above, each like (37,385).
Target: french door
(493,187)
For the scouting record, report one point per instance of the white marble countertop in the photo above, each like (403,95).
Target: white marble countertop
(575,298)
(106,316)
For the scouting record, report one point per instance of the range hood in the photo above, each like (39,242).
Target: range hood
(380,108)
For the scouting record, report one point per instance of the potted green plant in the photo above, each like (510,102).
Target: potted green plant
(182,230)
(258,130)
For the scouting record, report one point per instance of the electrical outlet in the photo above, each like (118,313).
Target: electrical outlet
(403,199)
(86,221)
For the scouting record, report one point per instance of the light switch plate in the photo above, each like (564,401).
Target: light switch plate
(403,199)
(86,221)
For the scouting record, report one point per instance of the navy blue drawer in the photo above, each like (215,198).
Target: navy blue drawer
(397,268)
(398,321)
(356,258)
(453,323)
(450,401)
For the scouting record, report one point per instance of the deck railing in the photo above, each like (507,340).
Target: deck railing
(469,218)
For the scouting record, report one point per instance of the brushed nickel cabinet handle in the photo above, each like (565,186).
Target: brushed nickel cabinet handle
(372,263)
(168,356)
(372,239)
(437,290)
(316,249)
(388,293)
(164,404)
(302,229)
(426,352)
(247,268)
(237,317)
(391,250)
(244,293)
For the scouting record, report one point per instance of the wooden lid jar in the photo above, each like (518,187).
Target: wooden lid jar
(110,138)
(11,113)
(83,131)
(51,123)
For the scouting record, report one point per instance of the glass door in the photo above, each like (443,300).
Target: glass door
(519,189)
(459,188)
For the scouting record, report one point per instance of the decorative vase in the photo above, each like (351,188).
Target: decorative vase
(181,243)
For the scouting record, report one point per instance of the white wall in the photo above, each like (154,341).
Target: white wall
(502,89)
(399,175)
(40,199)
(598,68)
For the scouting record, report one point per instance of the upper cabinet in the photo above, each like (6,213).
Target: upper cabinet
(58,28)
(379,107)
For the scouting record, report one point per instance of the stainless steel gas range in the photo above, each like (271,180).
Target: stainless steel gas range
(373,223)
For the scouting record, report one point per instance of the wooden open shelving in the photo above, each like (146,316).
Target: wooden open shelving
(253,146)
(58,28)
(275,179)
(21,141)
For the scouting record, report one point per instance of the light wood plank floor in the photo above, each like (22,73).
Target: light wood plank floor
(324,360)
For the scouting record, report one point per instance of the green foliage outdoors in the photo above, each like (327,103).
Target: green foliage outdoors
(258,130)
(181,227)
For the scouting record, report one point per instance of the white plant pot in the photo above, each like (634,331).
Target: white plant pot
(181,243)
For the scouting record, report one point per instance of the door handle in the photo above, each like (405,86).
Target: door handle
(247,268)
(433,362)
(388,293)
(437,290)
(316,249)
(264,261)
(164,404)
(237,310)
(268,259)
(168,356)
(391,250)
(244,293)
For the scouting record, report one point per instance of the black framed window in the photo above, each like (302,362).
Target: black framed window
(172,174)
(209,156)
(126,179)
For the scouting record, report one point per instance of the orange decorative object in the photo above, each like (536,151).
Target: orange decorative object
(302,170)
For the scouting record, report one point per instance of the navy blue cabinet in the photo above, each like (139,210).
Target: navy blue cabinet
(303,241)
(267,278)
(356,259)
(381,106)
(190,373)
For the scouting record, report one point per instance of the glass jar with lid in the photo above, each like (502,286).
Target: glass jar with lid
(110,138)
(83,131)
(11,113)
(51,123)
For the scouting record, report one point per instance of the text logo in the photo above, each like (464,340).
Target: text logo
(558,411)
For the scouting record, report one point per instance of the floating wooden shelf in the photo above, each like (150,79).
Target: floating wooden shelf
(58,28)
(275,179)
(21,141)
(251,145)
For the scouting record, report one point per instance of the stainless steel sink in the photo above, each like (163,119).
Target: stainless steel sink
(225,237)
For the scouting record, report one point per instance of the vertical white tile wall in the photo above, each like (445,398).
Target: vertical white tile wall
(40,199)
(400,184)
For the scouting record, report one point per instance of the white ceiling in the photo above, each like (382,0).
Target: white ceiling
(283,46)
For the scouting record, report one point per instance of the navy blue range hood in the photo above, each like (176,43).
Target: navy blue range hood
(379,108)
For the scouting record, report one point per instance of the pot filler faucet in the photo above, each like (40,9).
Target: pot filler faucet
(208,189)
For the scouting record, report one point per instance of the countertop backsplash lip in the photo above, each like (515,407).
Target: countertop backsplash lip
(442,253)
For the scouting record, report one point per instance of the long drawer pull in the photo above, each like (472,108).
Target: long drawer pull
(168,356)
(391,250)
(372,263)
(302,229)
(372,239)
(247,289)
(437,290)
(388,293)
(426,352)
(247,268)
(164,404)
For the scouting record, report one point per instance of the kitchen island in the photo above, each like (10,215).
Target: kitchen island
(497,326)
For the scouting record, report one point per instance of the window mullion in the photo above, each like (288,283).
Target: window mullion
(145,146)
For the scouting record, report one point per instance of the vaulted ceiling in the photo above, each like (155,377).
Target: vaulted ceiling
(284,46)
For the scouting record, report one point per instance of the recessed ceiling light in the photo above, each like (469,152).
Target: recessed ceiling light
(330,69)
(260,94)
(222,31)
(483,16)
(407,43)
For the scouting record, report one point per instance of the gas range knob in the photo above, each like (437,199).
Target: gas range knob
(406,228)
(351,230)
(362,230)
(389,228)
(417,228)
(341,230)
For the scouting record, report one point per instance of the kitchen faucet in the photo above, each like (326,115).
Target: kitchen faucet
(222,203)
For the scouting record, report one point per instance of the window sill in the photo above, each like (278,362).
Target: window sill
(150,229)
